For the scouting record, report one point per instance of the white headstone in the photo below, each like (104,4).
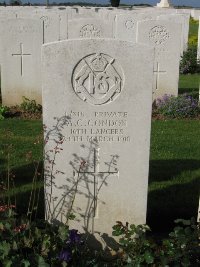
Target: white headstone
(183,20)
(81,12)
(97,109)
(50,25)
(20,57)
(195,13)
(89,28)
(126,25)
(165,36)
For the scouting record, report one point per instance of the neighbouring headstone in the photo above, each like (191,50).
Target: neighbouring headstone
(89,28)
(165,36)
(97,116)
(126,26)
(80,12)
(20,59)
(195,13)
(183,19)
(50,25)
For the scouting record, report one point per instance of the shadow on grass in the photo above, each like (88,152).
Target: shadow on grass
(23,182)
(178,200)
(164,204)
(165,170)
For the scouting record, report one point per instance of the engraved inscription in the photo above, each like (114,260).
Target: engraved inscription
(90,31)
(23,28)
(158,35)
(102,126)
(97,79)
(129,24)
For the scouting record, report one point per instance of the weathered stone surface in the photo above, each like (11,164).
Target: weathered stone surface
(195,13)
(165,36)
(20,59)
(183,19)
(89,28)
(126,25)
(97,109)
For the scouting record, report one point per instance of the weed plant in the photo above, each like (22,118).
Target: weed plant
(3,111)
(30,106)
(189,62)
(183,106)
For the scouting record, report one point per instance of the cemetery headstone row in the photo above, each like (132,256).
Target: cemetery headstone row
(21,70)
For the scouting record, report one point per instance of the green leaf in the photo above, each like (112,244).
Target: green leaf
(184,222)
(132,226)
(7,226)
(25,263)
(63,232)
(7,263)
(4,249)
(188,231)
(37,233)
(148,257)
(71,216)
(41,262)
(186,262)
(1,226)
(14,245)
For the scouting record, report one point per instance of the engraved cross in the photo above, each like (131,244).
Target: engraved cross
(158,71)
(21,55)
(96,174)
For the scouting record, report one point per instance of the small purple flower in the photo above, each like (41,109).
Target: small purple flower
(65,255)
(74,238)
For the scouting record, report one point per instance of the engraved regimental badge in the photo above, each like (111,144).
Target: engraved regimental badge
(158,35)
(90,31)
(97,79)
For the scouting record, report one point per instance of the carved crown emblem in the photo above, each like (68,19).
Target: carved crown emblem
(97,79)
(99,63)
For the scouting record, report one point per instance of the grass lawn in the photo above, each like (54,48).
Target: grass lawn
(189,83)
(174,177)
(20,149)
(174,166)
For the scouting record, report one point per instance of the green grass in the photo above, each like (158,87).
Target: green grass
(174,166)
(189,83)
(174,177)
(23,135)
(17,139)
